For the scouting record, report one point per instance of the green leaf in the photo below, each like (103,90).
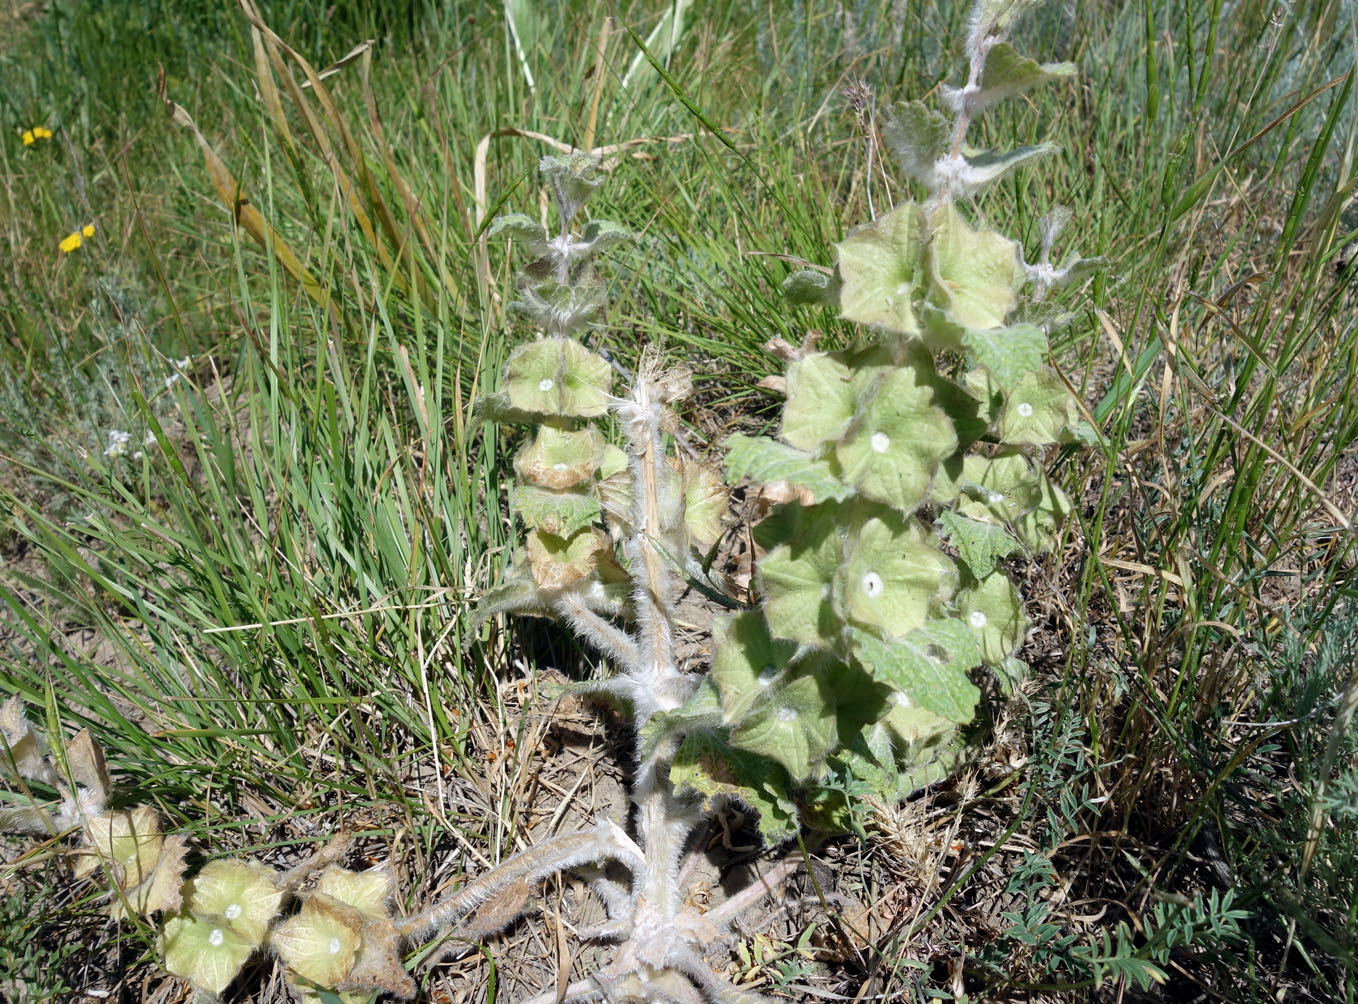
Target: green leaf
(820,401)
(713,768)
(929,666)
(572,177)
(557,376)
(994,610)
(367,891)
(747,664)
(241,892)
(558,562)
(917,729)
(705,505)
(1009,354)
(1039,410)
(601,234)
(1007,488)
(207,952)
(894,577)
(996,18)
(897,440)
(880,266)
(795,725)
(974,274)
(560,458)
(702,712)
(999,489)
(524,229)
(980,544)
(1037,526)
(918,136)
(765,460)
(797,580)
(559,513)
(808,287)
(1008,73)
(320,943)
(984,169)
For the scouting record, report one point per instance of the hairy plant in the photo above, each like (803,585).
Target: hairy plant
(904,466)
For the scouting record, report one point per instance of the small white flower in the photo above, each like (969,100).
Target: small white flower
(546,384)
(117,443)
(978,619)
(1025,409)
(181,364)
(880,442)
(173,379)
(215,937)
(787,714)
(872,585)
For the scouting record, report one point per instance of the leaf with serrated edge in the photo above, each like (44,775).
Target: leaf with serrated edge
(600,234)
(320,943)
(521,228)
(897,441)
(711,767)
(820,401)
(241,892)
(1007,73)
(85,757)
(366,891)
(996,18)
(557,376)
(701,712)
(1010,353)
(809,288)
(974,274)
(929,666)
(162,891)
(881,270)
(764,460)
(131,840)
(560,513)
(747,663)
(984,169)
(1038,411)
(560,458)
(894,576)
(207,952)
(980,544)
(918,136)
(994,610)
(705,505)
(795,726)
(20,745)
(797,579)
(558,562)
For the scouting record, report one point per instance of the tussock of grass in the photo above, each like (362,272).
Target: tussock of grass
(264,617)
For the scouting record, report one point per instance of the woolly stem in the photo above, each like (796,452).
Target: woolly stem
(613,642)
(765,885)
(604,840)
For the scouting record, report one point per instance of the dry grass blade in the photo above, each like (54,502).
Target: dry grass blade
(245,214)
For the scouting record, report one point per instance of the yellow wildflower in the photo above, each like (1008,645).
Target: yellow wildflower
(28,137)
(87,230)
(42,132)
(69,243)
